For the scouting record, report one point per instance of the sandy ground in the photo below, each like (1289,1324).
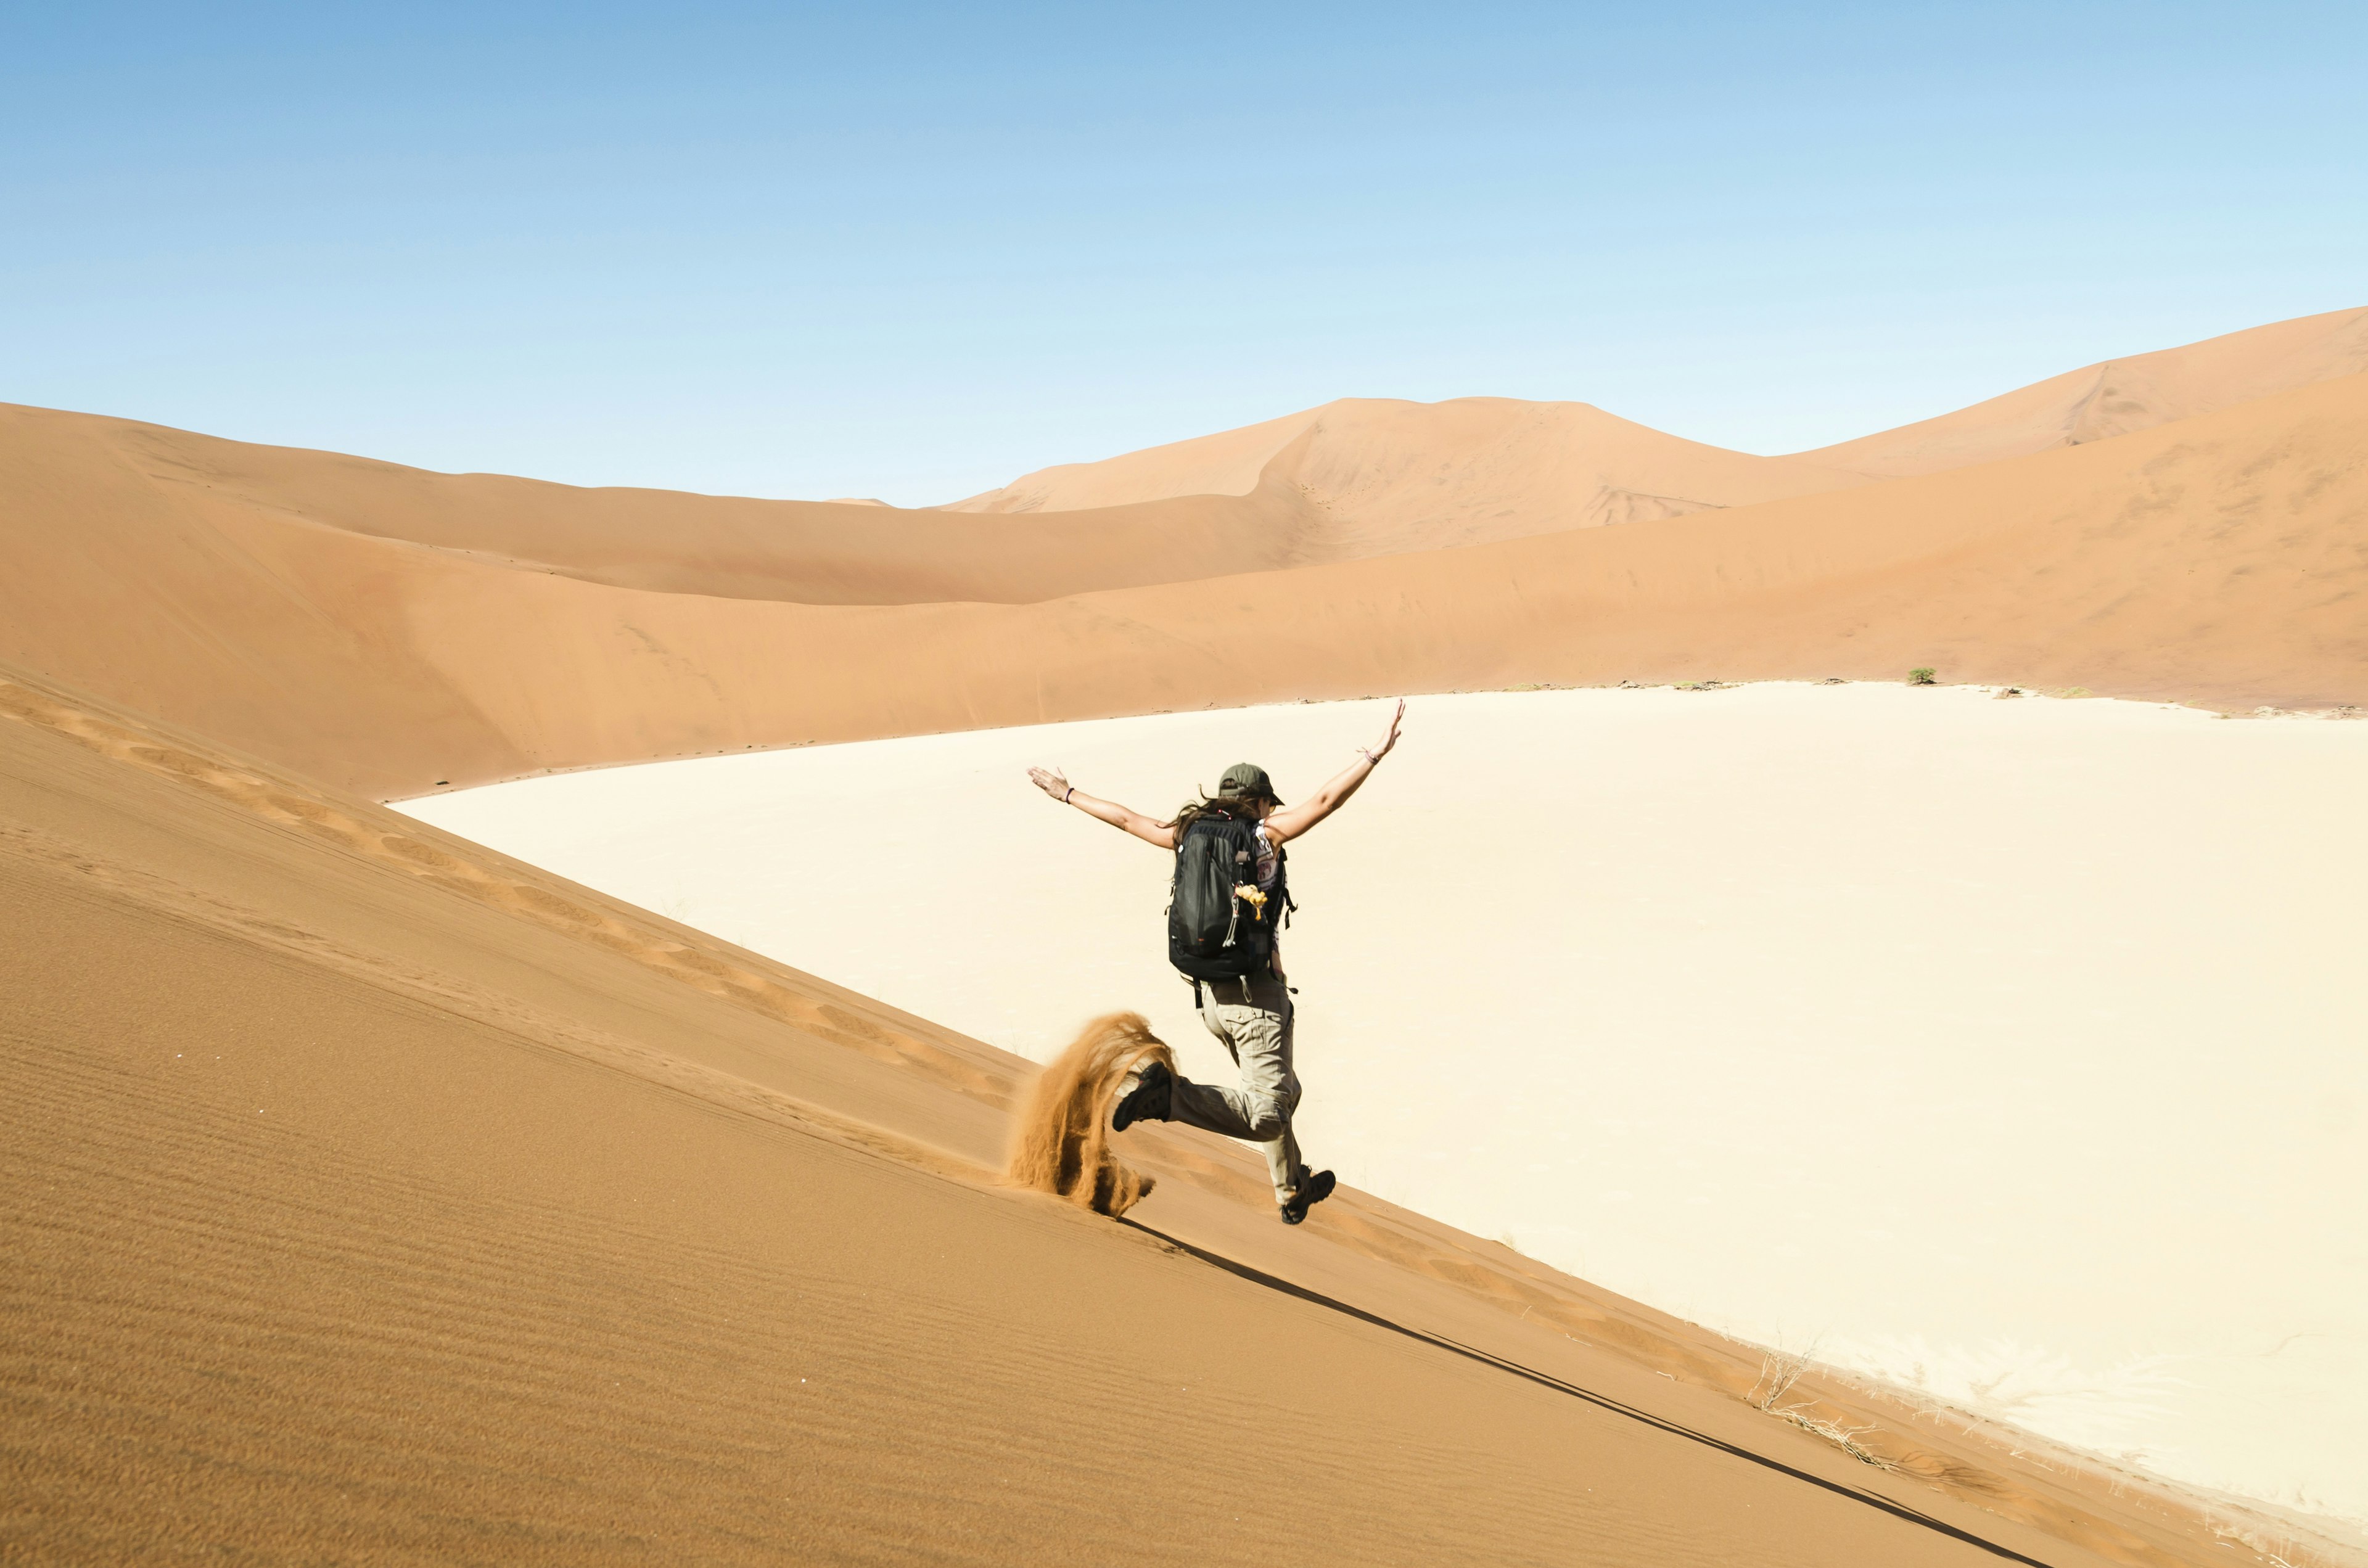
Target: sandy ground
(2007,1049)
(372,1197)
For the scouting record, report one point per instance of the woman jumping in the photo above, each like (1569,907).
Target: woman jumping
(1229,896)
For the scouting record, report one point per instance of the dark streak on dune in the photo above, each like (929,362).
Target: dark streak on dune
(1603,1402)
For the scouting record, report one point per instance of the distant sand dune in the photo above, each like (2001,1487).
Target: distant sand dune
(2221,558)
(1387,477)
(390,629)
(2117,397)
(86,485)
(1403,475)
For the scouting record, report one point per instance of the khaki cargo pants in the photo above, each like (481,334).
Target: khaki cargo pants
(1252,1020)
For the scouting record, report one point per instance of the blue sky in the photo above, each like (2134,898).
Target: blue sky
(912,251)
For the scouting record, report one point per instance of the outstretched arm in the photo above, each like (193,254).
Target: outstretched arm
(1292,820)
(1118,816)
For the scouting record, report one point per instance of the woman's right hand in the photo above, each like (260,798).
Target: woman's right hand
(1049,780)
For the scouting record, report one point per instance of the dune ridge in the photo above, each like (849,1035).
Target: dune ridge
(83,481)
(1478,468)
(1385,477)
(2117,397)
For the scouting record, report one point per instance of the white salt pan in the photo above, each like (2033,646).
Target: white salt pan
(2019,1049)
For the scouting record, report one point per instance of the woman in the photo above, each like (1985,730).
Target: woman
(1251,1016)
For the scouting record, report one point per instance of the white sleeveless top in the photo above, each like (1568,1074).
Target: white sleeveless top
(1270,861)
(1270,866)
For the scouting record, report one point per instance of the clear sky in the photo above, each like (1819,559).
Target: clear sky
(912,251)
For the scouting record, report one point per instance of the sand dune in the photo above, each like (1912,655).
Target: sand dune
(374,1195)
(388,629)
(1227,464)
(1363,478)
(1396,475)
(2117,397)
(1386,476)
(83,485)
(2220,559)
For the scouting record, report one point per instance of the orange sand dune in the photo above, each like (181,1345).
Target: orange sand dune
(1387,476)
(83,486)
(370,1195)
(2117,397)
(1391,475)
(2220,559)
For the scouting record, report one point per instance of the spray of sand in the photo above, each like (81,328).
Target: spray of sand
(1060,1142)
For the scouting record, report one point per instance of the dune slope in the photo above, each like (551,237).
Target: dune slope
(2117,397)
(1386,476)
(1398,476)
(373,1196)
(82,485)
(2221,560)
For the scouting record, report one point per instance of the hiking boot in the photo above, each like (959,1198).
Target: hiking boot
(1313,1191)
(1147,1101)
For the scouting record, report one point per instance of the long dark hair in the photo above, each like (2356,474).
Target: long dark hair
(1217,805)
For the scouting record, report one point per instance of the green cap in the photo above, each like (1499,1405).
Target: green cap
(1246,779)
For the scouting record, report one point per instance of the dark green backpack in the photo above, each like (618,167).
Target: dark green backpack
(1212,933)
